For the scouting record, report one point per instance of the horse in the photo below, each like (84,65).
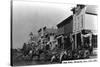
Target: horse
(63,56)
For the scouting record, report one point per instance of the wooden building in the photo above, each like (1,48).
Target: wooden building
(65,28)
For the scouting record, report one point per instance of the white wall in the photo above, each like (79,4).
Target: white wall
(91,22)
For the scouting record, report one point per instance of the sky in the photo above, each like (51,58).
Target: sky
(31,16)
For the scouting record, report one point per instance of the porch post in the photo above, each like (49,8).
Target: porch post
(75,41)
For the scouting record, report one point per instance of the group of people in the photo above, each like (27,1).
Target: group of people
(37,48)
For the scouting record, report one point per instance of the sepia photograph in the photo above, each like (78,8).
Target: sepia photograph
(52,33)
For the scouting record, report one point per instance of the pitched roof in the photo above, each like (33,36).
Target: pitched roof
(66,21)
(91,9)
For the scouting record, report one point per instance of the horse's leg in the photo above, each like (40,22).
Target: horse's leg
(52,59)
(37,54)
(60,58)
(38,57)
(31,58)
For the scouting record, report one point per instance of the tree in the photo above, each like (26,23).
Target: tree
(31,36)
